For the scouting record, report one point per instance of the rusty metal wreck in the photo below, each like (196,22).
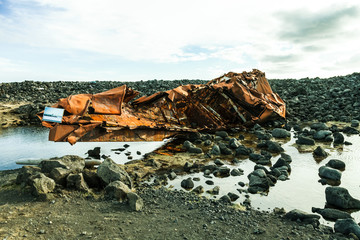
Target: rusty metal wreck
(232,100)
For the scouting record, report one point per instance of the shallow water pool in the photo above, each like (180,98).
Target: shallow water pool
(302,190)
(31,143)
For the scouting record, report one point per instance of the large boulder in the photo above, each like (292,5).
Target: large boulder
(25,174)
(319,126)
(74,164)
(296,214)
(329,173)
(340,197)
(41,184)
(338,138)
(322,134)
(117,190)
(187,184)
(331,213)
(320,152)
(303,140)
(59,175)
(135,202)
(337,164)
(347,226)
(274,147)
(109,171)
(76,181)
(280,133)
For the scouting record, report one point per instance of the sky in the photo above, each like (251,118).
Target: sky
(87,40)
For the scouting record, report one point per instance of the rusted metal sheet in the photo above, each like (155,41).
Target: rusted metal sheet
(232,100)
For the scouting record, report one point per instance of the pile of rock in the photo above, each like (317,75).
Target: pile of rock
(69,172)
(261,179)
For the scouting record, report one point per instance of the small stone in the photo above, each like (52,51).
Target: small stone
(320,152)
(187,184)
(218,162)
(209,182)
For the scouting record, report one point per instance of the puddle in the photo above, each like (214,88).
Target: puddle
(31,143)
(302,190)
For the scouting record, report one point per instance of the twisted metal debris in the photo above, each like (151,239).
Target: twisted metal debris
(232,100)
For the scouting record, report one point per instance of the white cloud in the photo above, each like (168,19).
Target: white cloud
(159,30)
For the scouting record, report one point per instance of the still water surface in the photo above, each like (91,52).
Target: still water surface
(302,190)
(28,143)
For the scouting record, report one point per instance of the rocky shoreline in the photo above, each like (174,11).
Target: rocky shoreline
(153,212)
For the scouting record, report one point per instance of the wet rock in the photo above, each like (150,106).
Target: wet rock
(215,150)
(337,164)
(236,172)
(298,215)
(209,182)
(188,166)
(350,130)
(280,133)
(354,123)
(234,143)
(274,147)
(319,126)
(303,140)
(77,182)
(235,161)
(331,213)
(135,202)
(94,153)
(73,163)
(320,152)
(329,173)
(241,184)
(222,172)
(242,150)
(172,175)
(187,184)
(218,162)
(258,182)
(109,171)
(286,157)
(255,157)
(322,134)
(117,190)
(214,191)
(233,196)
(41,184)
(195,150)
(222,134)
(262,135)
(347,226)
(198,190)
(153,163)
(207,142)
(224,149)
(280,162)
(210,167)
(225,199)
(341,198)
(338,138)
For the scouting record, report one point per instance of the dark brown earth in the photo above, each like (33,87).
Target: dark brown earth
(166,215)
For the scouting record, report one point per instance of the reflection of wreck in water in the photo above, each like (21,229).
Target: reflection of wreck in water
(233,100)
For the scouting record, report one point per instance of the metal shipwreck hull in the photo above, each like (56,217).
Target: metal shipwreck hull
(232,100)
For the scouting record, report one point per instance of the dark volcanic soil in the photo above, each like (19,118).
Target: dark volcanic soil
(166,215)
